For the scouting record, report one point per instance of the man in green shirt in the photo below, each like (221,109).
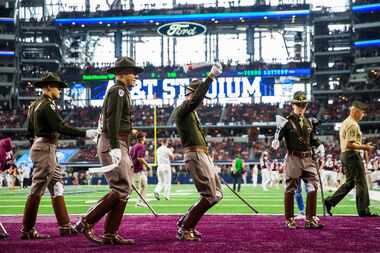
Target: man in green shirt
(44,127)
(113,148)
(197,159)
(351,144)
(237,172)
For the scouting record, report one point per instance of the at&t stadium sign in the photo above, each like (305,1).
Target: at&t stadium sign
(181,29)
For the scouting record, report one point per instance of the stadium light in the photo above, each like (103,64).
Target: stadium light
(184,17)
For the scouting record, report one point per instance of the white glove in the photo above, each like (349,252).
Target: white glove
(216,69)
(275,144)
(91,134)
(116,155)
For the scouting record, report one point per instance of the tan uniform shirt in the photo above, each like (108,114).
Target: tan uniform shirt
(349,132)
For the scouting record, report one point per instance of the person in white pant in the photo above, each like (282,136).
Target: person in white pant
(265,170)
(164,172)
(329,174)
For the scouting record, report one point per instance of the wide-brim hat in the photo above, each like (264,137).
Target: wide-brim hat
(193,86)
(123,65)
(299,98)
(50,79)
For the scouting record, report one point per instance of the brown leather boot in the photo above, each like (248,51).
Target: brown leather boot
(112,223)
(63,220)
(3,232)
(289,210)
(312,222)
(85,225)
(187,235)
(28,232)
(179,225)
(186,225)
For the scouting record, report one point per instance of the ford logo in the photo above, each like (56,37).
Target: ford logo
(181,29)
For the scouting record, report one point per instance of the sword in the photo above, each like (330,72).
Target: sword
(280,123)
(320,184)
(145,202)
(103,169)
(2,228)
(237,195)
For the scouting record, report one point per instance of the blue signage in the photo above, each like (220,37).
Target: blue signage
(63,156)
(7,53)
(150,19)
(367,43)
(366,8)
(181,29)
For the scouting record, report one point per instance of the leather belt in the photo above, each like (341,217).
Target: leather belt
(196,149)
(301,154)
(123,137)
(46,140)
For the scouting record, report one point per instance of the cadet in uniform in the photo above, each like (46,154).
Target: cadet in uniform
(197,159)
(351,145)
(299,138)
(5,149)
(44,127)
(113,149)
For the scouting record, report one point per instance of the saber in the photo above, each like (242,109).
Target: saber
(321,185)
(103,169)
(280,123)
(145,202)
(2,228)
(237,195)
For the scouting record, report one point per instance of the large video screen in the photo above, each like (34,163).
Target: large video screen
(222,90)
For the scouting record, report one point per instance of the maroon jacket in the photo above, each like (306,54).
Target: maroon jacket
(5,147)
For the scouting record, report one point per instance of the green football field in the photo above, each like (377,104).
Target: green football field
(80,198)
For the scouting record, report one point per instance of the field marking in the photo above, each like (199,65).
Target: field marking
(177,205)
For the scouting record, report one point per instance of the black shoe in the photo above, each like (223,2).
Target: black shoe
(328,207)
(369,214)
(157,195)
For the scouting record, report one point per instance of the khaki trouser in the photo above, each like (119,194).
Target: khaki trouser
(304,168)
(140,181)
(120,178)
(204,175)
(45,164)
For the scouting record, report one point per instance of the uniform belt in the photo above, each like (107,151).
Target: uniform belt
(301,154)
(46,140)
(196,149)
(123,137)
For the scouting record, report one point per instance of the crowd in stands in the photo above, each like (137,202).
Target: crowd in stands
(334,110)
